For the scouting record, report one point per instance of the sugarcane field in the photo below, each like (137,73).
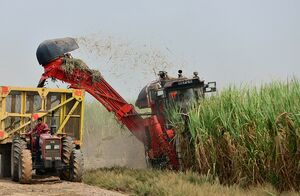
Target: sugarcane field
(150,98)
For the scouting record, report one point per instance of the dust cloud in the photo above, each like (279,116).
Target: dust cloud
(128,65)
(106,143)
(119,54)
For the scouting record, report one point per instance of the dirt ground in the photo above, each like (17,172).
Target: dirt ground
(63,188)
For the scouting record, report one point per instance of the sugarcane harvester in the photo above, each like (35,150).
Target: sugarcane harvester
(152,130)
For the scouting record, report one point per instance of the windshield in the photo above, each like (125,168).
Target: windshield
(184,97)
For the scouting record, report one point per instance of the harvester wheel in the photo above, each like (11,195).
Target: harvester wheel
(25,167)
(16,148)
(67,148)
(76,166)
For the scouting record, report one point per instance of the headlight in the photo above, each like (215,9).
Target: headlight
(48,147)
(56,147)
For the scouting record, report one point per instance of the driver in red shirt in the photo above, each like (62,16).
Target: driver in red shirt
(40,128)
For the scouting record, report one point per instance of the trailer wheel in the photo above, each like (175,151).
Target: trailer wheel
(25,167)
(16,148)
(67,148)
(76,166)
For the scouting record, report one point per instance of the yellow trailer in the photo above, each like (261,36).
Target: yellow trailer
(60,109)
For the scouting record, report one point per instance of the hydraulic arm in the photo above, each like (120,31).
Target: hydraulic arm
(102,91)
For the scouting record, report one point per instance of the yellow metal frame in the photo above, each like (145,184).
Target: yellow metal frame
(64,117)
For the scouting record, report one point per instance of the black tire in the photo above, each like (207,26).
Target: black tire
(67,148)
(17,146)
(25,167)
(76,167)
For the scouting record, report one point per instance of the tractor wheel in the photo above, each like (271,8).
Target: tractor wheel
(17,146)
(76,166)
(25,167)
(67,148)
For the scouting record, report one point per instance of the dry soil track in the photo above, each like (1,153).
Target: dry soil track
(8,187)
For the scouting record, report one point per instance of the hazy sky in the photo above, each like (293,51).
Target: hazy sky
(228,41)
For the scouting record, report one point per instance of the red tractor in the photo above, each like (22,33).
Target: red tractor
(153,131)
(47,154)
